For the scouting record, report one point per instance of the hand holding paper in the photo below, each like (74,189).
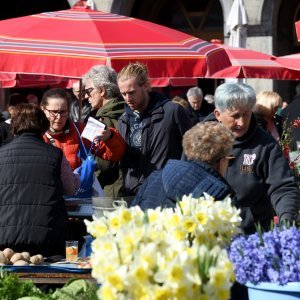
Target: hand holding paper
(102,135)
(95,128)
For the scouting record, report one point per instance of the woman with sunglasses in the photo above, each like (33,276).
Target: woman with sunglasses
(107,105)
(64,134)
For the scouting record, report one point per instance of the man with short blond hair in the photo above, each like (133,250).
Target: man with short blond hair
(151,125)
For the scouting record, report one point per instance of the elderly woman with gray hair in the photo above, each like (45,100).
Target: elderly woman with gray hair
(259,173)
(103,94)
(207,147)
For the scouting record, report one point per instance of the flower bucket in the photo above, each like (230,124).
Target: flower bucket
(274,291)
(101,204)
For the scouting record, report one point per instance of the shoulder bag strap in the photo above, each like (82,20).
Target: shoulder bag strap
(87,153)
(81,141)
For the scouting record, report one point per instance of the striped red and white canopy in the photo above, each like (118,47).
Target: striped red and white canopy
(67,43)
(248,63)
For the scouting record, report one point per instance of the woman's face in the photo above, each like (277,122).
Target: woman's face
(57,112)
(93,95)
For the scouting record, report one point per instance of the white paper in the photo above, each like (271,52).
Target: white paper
(92,128)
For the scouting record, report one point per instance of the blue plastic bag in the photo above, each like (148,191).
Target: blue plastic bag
(86,172)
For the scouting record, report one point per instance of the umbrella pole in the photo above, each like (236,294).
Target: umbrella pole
(80,100)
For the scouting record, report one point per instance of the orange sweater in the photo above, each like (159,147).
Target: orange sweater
(68,141)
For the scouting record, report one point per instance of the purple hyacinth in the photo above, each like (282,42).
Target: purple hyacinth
(273,256)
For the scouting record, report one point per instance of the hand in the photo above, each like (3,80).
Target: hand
(77,170)
(102,135)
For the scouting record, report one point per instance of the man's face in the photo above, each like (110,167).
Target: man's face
(237,120)
(195,102)
(135,96)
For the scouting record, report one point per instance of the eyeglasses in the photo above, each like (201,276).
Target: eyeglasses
(230,157)
(55,113)
(87,91)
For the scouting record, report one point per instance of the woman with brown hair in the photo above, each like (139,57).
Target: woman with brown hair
(65,134)
(33,179)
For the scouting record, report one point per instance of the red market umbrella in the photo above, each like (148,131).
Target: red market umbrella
(67,43)
(248,63)
(292,62)
(297,24)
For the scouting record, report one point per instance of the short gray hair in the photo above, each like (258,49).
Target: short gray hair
(103,77)
(229,96)
(194,92)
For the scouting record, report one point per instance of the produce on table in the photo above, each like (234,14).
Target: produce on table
(10,257)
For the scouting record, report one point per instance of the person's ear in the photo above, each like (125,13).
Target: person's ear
(102,91)
(146,86)
(217,114)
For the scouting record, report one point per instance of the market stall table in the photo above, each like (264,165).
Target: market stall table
(56,273)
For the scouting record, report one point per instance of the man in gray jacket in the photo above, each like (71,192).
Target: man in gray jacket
(151,125)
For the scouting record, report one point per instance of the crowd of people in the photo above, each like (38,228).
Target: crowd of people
(152,150)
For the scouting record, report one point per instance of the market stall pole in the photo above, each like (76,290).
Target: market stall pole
(297,25)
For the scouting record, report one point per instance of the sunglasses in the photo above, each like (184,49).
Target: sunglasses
(55,113)
(87,91)
(228,157)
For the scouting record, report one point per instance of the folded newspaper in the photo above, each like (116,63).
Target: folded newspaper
(92,128)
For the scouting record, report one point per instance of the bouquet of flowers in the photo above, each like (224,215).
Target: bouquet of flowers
(165,253)
(272,256)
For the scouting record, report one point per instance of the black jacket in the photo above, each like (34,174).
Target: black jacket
(261,178)
(199,115)
(165,124)
(5,133)
(32,208)
(165,187)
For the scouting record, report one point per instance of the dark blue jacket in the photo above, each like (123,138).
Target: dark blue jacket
(164,187)
(161,139)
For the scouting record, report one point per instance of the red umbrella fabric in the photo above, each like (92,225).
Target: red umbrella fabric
(297,24)
(248,63)
(10,80)
(292,62)
(67,43)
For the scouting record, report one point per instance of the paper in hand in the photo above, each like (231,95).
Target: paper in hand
(92,128)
